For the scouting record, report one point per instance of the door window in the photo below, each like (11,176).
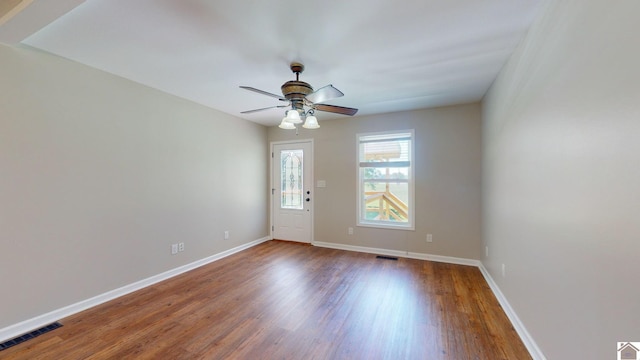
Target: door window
(291,179)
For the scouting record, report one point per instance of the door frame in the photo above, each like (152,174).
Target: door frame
(272,184)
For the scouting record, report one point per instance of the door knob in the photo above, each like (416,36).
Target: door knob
(308,199)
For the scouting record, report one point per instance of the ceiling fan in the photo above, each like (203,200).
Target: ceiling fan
(299,94)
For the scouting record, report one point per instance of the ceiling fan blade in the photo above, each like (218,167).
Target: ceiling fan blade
(267,108)
(279,97)
(336,109)
(323,94)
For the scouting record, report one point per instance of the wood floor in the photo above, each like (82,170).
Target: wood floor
(282,300)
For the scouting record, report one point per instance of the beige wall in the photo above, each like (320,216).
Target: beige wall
(99,175)
(447,169)
(561,184)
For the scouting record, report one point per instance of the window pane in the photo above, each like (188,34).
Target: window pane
(291,179)
(386,201)
(371,173)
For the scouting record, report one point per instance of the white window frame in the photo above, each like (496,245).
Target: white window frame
(362,221)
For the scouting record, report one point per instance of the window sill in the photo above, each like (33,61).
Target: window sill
(386,226)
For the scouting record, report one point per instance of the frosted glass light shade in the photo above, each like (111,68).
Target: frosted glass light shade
(286,125)
(311,123)
(293,116)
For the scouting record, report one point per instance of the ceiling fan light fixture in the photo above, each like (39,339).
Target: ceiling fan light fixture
(286,125)
(300,95)
(311,123)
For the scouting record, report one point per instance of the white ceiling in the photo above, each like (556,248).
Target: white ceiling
(384,55)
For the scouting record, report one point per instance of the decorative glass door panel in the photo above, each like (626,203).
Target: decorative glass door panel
(292,179)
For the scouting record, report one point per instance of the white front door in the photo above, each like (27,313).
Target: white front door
(292,185)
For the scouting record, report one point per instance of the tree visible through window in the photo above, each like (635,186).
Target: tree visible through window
(386,179)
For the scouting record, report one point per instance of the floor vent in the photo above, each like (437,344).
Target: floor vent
(387,257)
(20,339)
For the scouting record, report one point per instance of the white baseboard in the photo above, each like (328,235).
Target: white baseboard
(37,322)
(360,249)
(444,259)
(528,341)
(399,253)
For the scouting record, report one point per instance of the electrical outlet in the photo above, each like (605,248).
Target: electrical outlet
(350,231)
(174,249)
(181,246)
(486,251)
(504,270)
(226,235)
(429,238)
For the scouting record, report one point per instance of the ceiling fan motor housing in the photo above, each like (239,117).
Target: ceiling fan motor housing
(295,91)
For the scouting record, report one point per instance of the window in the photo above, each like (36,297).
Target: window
(291,179)
(385,180)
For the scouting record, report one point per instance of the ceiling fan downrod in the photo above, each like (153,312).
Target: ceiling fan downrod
(297,68)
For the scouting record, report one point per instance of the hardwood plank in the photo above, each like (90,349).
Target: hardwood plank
(282,300)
